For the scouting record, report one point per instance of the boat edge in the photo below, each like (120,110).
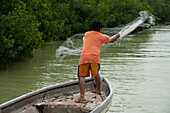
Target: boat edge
(106,102)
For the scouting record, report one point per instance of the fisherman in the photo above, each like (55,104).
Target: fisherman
(90,58)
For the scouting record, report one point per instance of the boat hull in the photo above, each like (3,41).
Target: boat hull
(25,103)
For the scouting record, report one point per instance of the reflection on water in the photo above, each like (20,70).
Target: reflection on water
(138,67)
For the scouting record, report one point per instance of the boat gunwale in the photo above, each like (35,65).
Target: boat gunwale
(107,100)
(39,91)
(61,85)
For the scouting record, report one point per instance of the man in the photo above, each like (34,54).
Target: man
(90,57)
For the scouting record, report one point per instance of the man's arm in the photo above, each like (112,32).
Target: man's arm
(115,38)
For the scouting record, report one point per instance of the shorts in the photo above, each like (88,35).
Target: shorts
(84,69)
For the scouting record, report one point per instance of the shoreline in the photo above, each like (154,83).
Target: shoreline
(164,23)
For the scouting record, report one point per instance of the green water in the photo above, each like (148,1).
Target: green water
(138,67)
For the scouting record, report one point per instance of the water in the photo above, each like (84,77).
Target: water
(140,72)
(138,68)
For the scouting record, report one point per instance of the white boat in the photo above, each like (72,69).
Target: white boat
(30,103)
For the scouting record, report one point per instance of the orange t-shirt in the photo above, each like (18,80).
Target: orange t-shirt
(93,42)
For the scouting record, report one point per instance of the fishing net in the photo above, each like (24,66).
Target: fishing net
(73,45)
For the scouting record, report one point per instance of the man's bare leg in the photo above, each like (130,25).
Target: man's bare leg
(98,81)
(82,90)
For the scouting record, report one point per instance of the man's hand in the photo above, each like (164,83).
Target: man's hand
(118,35)
(115,37)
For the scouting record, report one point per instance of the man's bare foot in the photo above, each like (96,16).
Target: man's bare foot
(97,92)
(80,100)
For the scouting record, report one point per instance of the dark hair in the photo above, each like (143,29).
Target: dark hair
(96,26)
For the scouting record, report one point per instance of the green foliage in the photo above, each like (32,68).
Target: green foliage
(124,11)
(11,5)
(18,36)
(162,9)
(60,27)
(42,10)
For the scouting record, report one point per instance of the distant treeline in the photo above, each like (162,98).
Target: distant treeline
(162,9)
(27,24)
